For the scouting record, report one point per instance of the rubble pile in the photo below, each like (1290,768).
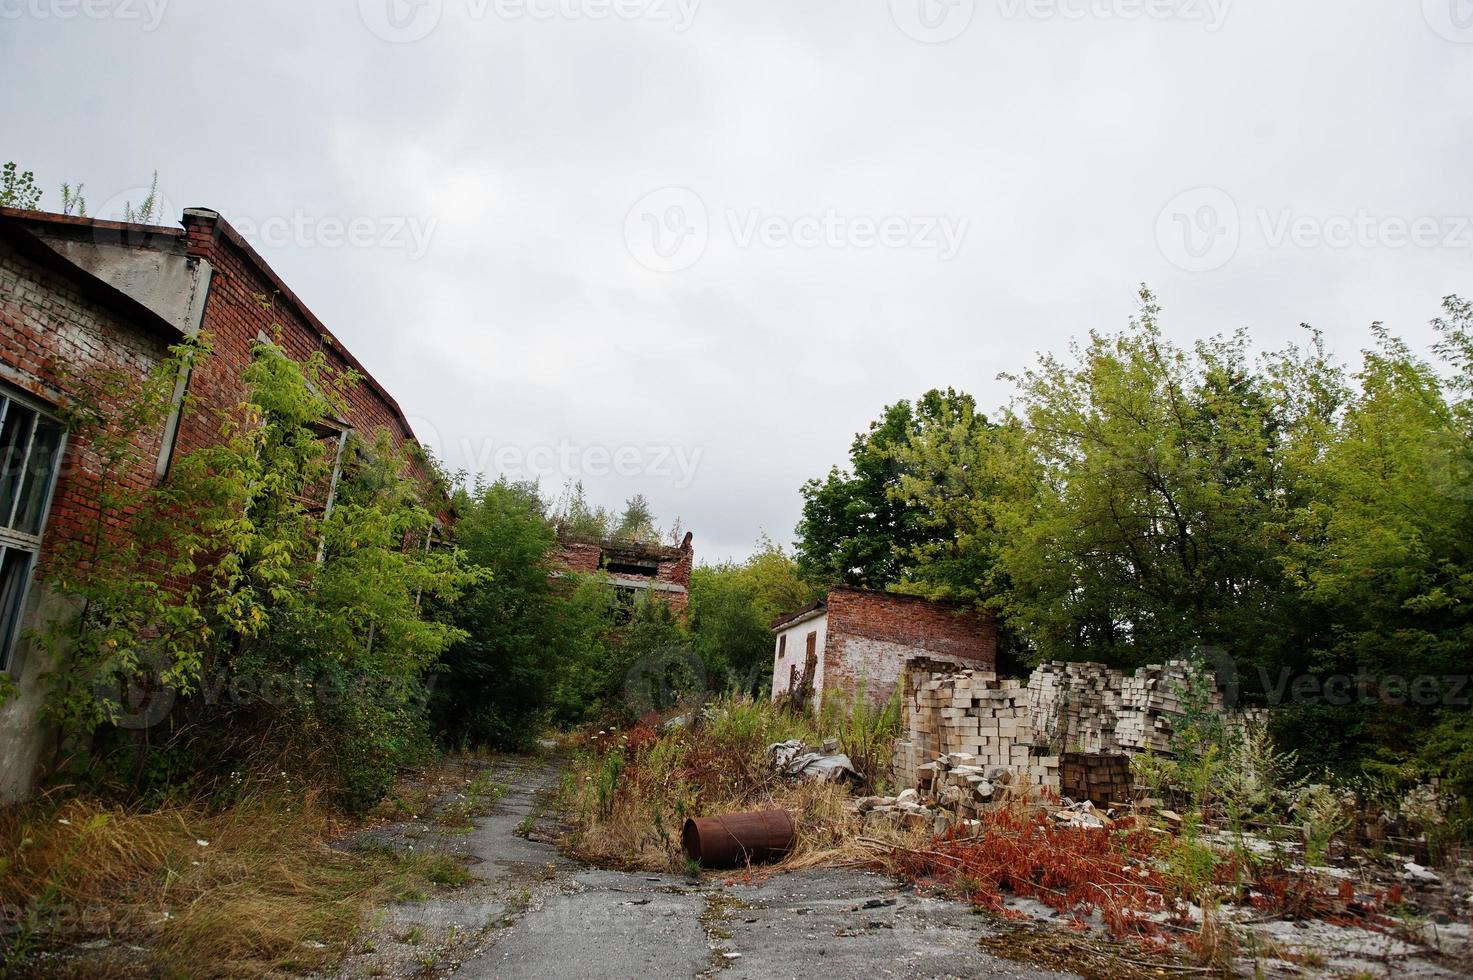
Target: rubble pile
(1087,707)
(955,790)
(1069,710)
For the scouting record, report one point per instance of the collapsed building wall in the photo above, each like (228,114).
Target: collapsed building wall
(1069,724)
(632,567)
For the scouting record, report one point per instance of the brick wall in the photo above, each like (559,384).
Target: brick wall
(871,635)
(46,321)
(235,317)
(673,566)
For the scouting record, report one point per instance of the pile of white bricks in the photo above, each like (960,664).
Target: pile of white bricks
(1024,728)
(971,713)
(1087,707)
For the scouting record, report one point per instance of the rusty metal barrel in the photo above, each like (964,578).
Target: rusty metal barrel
(735,839)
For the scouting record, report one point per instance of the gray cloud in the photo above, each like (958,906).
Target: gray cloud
(1058,130)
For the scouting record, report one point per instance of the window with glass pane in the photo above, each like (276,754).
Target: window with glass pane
(31,444)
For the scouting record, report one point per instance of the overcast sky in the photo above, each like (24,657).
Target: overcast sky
(700,243)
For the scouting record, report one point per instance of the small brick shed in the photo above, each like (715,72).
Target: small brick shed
(856,635)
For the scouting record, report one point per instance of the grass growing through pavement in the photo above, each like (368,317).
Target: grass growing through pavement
(206,893)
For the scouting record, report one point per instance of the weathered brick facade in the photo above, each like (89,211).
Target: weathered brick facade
(247,300)
(862,635)
(79,296)
(633,566)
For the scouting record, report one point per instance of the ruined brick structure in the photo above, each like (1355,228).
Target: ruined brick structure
(1070,727)
(90,296)
(632,567)
(859,635)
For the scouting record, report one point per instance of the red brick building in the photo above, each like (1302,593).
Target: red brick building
(633,567)
(857,634)
(79,295)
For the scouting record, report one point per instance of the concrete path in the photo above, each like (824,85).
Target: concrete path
(531,913)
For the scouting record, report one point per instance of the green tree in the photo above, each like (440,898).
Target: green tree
(1164,497)
(18,188)
(497,683)
(731,608)
(637,523)
(856,528)
(1390,562)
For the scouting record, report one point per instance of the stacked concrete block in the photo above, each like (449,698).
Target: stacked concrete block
(957,721)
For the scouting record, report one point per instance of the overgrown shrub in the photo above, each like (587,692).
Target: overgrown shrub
(227,621)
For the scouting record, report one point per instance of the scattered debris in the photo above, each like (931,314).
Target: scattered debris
(793,758)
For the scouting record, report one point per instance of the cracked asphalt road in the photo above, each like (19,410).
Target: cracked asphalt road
(530,912)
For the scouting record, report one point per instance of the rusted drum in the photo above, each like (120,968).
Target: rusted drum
(738,838)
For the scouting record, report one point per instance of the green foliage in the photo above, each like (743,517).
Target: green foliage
(226,579)
(856,529)
(574,516)
(731,608)
(72,201)
(1157,524)
(866,732)
(637,523)
(148,209)
(18,188)
(1140,500)
(497,684)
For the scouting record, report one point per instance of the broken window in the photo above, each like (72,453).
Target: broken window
(782,646)
(31,445)
(621,565)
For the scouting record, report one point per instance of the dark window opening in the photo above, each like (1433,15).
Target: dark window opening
(31,445)
(618,566)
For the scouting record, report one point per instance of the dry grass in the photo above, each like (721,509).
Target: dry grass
(242,892)
(628,794)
